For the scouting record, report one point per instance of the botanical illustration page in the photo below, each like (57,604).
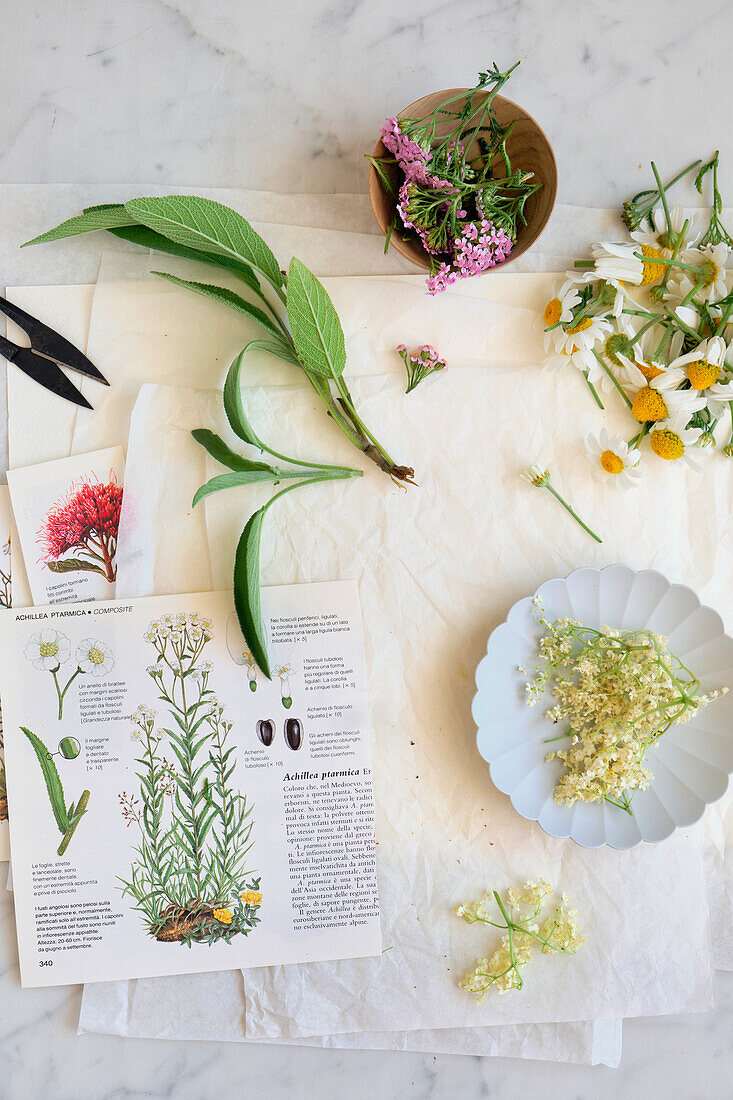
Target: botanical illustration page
(68,514)
(165,795)
(6,599)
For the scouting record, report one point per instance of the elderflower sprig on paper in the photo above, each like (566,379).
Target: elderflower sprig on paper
(525,933)
(540,477)
(457,191)
(616,694)
(420,363)
(648,322)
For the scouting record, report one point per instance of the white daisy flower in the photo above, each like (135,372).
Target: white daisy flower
(660,398)
(719,396)
(94,657)
(671,439)
(620,261)
(611,291)
(660,236)
(611,454)
(560,308)
(704,365)
(48,649)
(711,260)
(578,340)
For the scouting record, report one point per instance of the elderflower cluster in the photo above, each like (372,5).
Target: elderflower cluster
(616,694)
(648,321)
(525,934)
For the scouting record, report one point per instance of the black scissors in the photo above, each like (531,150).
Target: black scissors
(41,360)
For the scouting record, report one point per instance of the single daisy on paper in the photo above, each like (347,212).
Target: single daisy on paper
(611,455)
(671,440)
(577,341)
(706,273)
(560,308)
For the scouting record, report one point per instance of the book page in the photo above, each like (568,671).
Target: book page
(6,599)
(165,794)
(67,513)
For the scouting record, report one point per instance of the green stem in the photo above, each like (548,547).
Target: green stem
(592,389)
(61,693)
(615,381)
(79,811)
(572,512)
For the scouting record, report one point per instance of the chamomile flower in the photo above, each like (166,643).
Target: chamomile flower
(671,440)
(664,236)
(560,308)
(94,657)
(661,398)
(719,396)
(620,261)
(576,341)
(705,364)
(709,263)
(611,455)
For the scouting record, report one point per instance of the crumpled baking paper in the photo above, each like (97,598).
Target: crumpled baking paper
(171,1008)
(438,567)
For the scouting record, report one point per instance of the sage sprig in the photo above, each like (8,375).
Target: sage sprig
(309,335)
(246,471)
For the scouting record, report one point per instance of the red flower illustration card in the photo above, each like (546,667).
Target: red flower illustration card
(67,513)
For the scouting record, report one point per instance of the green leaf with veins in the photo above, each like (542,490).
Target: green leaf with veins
(210,226)
(97,217)
(222,452)
(314,323)
(225,297)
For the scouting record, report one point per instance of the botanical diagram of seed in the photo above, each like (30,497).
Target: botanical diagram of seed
(49,649)
(67,818)
(83,523)
(239,650)
(293,733)
(266,731)
(188,879)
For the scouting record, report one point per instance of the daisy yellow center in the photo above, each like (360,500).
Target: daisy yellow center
(611,462)
(667,444)
(553,309)
(48,649)
(652,272)
(649,405)
(649,370)
(702,374)
(96,656)
(580,327)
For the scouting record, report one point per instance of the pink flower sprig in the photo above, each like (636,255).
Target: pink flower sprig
(420,363)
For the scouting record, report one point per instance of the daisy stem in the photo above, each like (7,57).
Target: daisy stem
(642,330)
(663,196)
(724,318)
(573,513)
(592,389)
(677,246)
(639,436)
(615,380)
(667,262)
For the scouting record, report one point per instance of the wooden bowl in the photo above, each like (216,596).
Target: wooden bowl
(528,149)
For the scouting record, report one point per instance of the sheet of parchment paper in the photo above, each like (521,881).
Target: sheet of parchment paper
(438,567)
(170,1008)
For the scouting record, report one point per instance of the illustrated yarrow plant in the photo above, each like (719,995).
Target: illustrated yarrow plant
(84,523)
(525,933)
(188,878)
(454,184)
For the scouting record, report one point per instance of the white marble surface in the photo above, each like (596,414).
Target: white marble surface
(287,97)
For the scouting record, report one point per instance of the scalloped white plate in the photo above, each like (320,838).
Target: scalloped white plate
(690,765)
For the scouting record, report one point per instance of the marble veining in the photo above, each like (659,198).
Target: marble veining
(287,97)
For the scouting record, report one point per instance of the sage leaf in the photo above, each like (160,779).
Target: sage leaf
(222,452)
(251,477)
(232,395)
(247,600)
(314,323)
(96,217)
(201,223)
(148,238)
(226,297)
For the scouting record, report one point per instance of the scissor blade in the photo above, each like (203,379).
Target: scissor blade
(43,371)
(50,342)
